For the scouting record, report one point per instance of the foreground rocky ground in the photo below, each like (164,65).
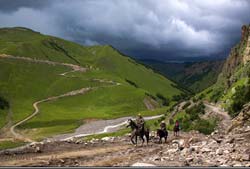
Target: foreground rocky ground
(189,149)
(229,145)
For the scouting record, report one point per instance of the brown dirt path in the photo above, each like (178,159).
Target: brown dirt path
(35,105)
(225,121)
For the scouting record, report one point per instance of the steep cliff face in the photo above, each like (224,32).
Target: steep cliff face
(239,56)
(232,88)
(243,119)
(246,43)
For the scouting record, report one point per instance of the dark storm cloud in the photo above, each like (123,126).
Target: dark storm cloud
(142,28)
(13,5)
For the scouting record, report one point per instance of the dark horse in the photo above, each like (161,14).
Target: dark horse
(162,134)
(136,131)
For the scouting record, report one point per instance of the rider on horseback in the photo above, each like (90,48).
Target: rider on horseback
(162,132)
(138,129)
(140,122)
(176,128)
(163,126)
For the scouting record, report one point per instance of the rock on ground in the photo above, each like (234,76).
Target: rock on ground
(142,165)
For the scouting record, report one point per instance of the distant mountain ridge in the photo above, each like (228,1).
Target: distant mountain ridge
(194,76)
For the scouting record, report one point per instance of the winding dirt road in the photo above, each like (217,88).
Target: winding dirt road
(98,127)
(225,122)
(71,93)
(225,119)
(72,66)
(35,105)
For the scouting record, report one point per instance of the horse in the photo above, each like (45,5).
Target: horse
(136,131)
(162,134)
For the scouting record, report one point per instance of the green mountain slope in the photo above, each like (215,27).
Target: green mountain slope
(232,88)
(195,76)
(119,86)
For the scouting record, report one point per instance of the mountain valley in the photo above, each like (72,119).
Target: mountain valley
(51,88)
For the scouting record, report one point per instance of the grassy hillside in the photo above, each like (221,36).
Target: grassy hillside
(23,82)
(24,42)
(4,106)
(195,76)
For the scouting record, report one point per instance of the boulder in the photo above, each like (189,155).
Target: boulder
(48,141)
(33,144)
(221,160)
(191,149)
(180,143)
(185,151)
(198,160)
(194,140)
(229,140)
(105,139)
(189,159)
(70,140)
(237,165)
(224,165)
(232,150)
(61,161)
(128,134)
(239,139)
(38,149)
(205,150)
(164,158)
(194,148)
(218,140)
(216,131)
(203,143)
(245,157)
(157,158)
(219,152)
(186,163)
(138,164)
(212,142)
(171,151)
(247,151)
(78,141)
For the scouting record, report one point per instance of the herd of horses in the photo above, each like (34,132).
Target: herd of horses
(142,132)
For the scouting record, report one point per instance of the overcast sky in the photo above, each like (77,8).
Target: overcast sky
(141,28)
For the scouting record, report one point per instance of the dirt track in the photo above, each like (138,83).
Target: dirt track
(99,127)
(71,93)
(225,119)
(35,105)
(43,158)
